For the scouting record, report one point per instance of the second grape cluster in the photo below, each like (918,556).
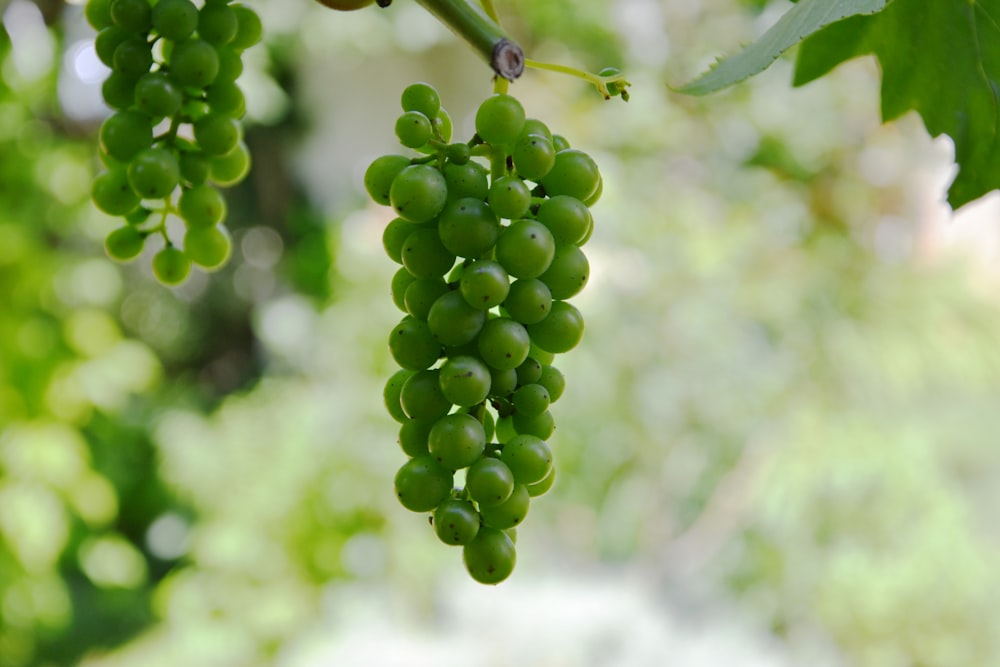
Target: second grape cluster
(489,235)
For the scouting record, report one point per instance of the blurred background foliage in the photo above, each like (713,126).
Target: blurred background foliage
(778,445)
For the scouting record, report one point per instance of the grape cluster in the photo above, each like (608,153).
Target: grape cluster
(490,257)
(175,133)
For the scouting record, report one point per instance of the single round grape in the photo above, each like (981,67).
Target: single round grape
(118,90)
(458,153)
(418,193)
(413,436)
(553,381)
(226,98)
(131,15)
(468,179)
(98,13)
(509,197)
(124,243)
(175,19)
(230,64)
(531,399)
(533,156)
(394,236)
(487,419)
(525,248)
(560,331)
(401,281)
(217,134)
(171,266)
(528,301)
(530,372)
(540,426)
(543,485)
(566,217)
(249,29)
(422,484)
(112,193)
(528,458)
(453,321)
(510,512)
(421,396)
(535,126)
(412,345)
(468,227)
(456,441)
(544,357)
(465,380)
(157,96)
(391,392)
(208,247)
(231,168)
(126,133)
(490,557)
(456,521)
(442,125)
(107,41)
(217,23)
(499,119)
(202,206)
(574,173)
(505,429)
(484,284)
(421,295)
(593,198)
(559,142)
(195,167)
(413,129)
(380,175)
(568,273)
(503,343)
(424,255)
(503,381)
(421,97)
(132,57)
(489,481)
(194,63)
(154,173)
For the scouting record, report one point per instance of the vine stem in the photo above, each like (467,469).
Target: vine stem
(482,32)
(600,82)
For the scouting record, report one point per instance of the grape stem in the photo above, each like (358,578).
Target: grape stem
(600,82)
(482,32)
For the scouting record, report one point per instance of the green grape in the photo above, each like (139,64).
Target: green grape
(217,23)
(175,19)
(125,133)
(503,381)
(533,126)
(505,429)
(510,512)
(131,15)
(489,481)
(484,284)
(592,199)
(528,458)
(132,57)
(531,400)
(98,13)
(487,420)
(530,372)
(118,90)
(380,175)
(465,380)
(533,156)
(156,95)
(195,167)
(230,64)
(468,227)
(424,255)
(544,356)
(566,217)
(171,266)
(249,29)
(394,236)
(418,193)
(413,129)
(217,134)
(452,321)
(231,168)
(542,486)
(490,557)
(226,98)
(401,281)
(499,119)
(208,247)
(112,193)
(574,173)
(469,179)
(560,331)
(421,295)
(503,343)
(202,206)
(413,346)
(509,197)
(443,125)
(528,301)
(107,41)
(525,248)
(553,381)
(456,441)
(458,153)
(194,63)
(124,243)
(421,396)
(391,392)
(421,97)
(541,425)
(559,142)
(456,521)
(413,434)
(568,273)
(422,484)
(154,173)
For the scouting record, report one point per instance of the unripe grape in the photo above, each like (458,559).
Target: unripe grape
(528,458)
(194,63)
(528,301)
(421,396)
(465,380)
(489,481)
(118,90)
(231,168)
(202,206)
(456,521)
(154,173)
(124,243)
(98,13)
(217,24)
(171,266)
(418,193)
(421,97)
(380,175)
(126,133)
(249,28)
(391,394)
(208,247)
(175,19)
(131,15)
(456,441)
(510,512)
(216,134)
(132,57)
(574,173)
(107,41)
(525,249)
(157,96)
(499,119)
(509,197)
(112,193)
(490,557)
(422,484)
(413,434)
(421,295)
(413,129)
(413,346)
(560,331)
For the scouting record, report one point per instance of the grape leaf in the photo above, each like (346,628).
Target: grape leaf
(804,19)
(938,57)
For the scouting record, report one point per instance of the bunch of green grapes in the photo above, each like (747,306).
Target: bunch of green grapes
(490,254)
(175,133)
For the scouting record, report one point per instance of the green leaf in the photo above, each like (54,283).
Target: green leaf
(804,19)
(938,57)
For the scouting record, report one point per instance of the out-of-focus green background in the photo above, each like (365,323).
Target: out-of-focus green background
(779,441)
